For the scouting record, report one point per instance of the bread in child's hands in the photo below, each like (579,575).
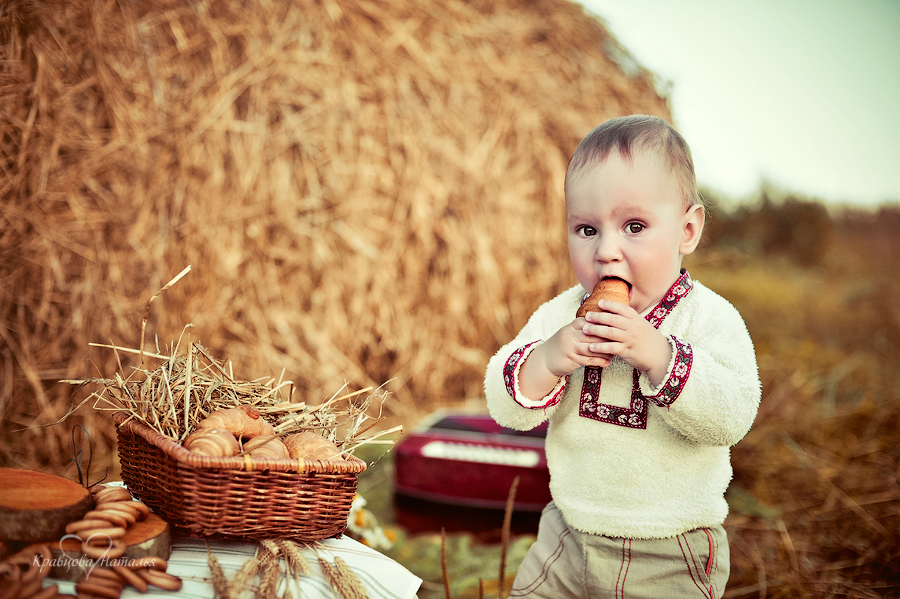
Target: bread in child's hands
(311,446)
(612,289)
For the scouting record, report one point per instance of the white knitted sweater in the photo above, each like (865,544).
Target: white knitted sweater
(625,459)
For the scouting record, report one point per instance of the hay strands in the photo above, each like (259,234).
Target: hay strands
(184,389)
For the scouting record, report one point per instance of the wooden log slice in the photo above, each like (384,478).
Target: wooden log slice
(36,506)
(150,537)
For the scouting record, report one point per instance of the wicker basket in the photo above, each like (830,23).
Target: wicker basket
(236,497)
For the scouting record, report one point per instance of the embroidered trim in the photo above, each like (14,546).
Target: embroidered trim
(677,291)
(512,367)
(681,369)
(635,416)
(511,379)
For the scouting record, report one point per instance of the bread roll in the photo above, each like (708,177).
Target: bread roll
(266,446)
(612,289)
(311,446)
(241,421)
(212,442)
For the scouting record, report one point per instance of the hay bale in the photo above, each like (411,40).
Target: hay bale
(356,186)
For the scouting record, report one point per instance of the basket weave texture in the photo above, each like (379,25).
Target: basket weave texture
(236,498)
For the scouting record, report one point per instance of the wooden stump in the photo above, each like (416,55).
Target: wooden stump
(36,506)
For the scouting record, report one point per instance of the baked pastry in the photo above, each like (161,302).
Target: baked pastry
(311,446)
(266,446)
(212,442)
(611,288)
(242,421)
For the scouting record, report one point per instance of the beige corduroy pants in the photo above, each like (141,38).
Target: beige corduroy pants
(564,562)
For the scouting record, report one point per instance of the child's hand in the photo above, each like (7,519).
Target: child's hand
(625,333)
(562,354)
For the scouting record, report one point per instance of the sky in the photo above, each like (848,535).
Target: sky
(800,95)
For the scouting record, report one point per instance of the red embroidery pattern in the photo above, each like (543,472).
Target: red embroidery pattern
(684,358)
(510,368)
(509,378)
(677,291)
(635,416)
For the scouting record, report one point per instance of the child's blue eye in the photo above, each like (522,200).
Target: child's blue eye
(634,227)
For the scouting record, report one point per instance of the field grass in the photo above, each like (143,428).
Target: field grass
(822,462)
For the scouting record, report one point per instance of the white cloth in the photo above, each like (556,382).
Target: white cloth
(382,577)
(625,459)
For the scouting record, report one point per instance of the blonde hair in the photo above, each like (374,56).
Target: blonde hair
(639,132)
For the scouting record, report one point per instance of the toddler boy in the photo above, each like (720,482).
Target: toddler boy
(644,400)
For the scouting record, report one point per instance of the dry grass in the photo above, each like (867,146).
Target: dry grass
(354,184)
(188,384)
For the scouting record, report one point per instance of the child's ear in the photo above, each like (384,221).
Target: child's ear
(692,228)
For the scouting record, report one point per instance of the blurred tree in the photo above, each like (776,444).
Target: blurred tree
(800,230)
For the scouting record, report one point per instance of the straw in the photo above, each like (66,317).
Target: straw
(333,176)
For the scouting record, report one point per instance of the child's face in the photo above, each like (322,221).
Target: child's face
(627,219)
